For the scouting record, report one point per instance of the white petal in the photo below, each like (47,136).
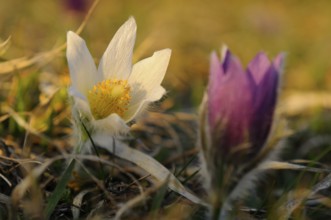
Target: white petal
(102,140)
(80,102)
(116,62)
(134,110)
(112,125)
(147,75)
(83,72)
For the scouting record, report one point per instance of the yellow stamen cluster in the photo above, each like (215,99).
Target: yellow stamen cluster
(109,96)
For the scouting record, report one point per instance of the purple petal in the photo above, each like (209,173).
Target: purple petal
(216,71)
(226,58)
(215,75)
(233,67)
(258,67)
(264,106)
(279,62)
(230,108)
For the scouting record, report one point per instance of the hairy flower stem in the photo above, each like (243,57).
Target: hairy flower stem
(217,193)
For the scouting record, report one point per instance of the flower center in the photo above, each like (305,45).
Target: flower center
(109,96)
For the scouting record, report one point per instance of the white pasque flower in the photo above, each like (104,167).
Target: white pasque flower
(116,92)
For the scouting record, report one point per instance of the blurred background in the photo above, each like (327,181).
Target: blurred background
(34,100)
(192,29)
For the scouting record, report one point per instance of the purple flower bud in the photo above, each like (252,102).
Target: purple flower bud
(76,6)
(241,103)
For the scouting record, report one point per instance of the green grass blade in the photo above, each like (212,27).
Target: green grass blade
(159,197)
(59,190)
(185,166)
